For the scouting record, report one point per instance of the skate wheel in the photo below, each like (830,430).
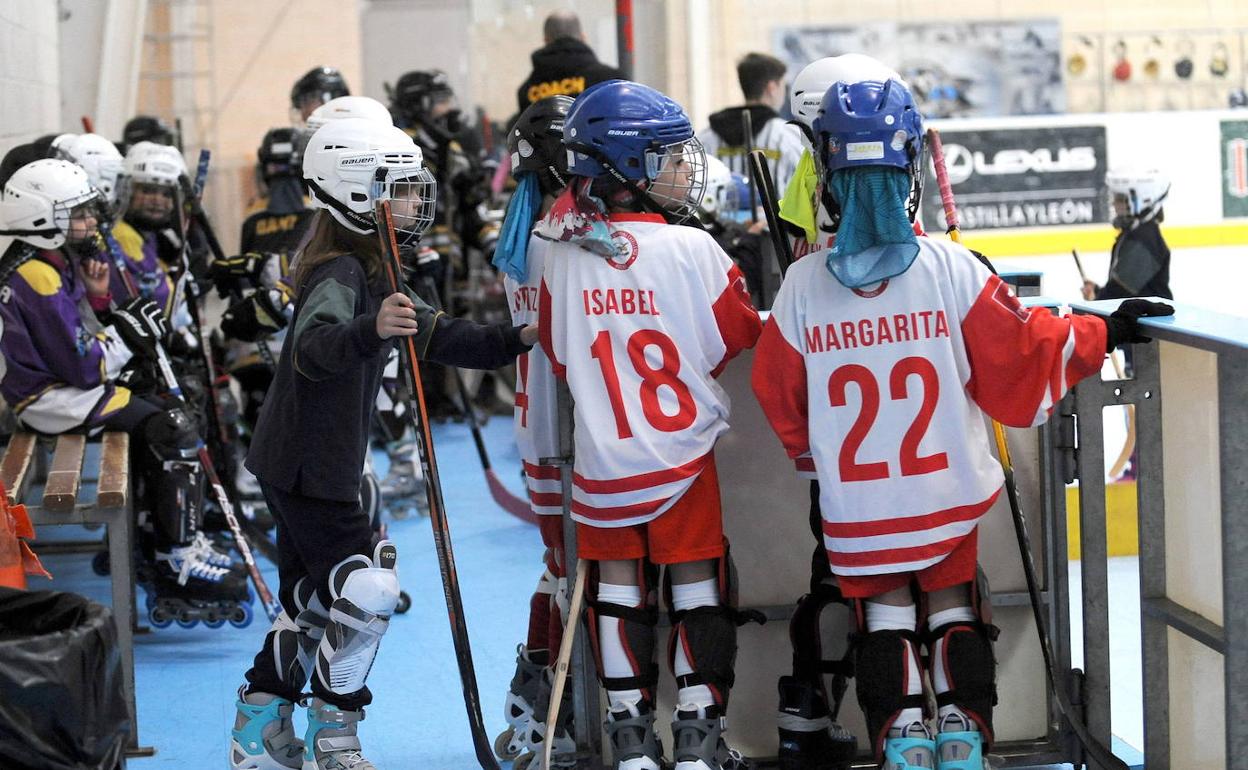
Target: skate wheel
(215,622)
(526,760)
(405,603)
(99,563)
(158,616)
(240,616)
(187,622)
(502,745)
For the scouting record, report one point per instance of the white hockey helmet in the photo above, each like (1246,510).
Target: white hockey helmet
(39,200)
(151,163)
(806,94)
(352,162)
(97,156)
(722,196)
(349,107)
(1144,189)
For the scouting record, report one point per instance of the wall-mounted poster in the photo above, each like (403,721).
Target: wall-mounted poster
(1021,177)
(1235,168)
(955,68)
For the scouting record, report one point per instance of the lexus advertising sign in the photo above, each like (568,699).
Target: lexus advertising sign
(1022,177)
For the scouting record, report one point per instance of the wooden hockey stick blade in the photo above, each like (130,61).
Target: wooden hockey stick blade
(575,605)
(506,500)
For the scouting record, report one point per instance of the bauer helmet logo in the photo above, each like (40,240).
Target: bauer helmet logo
(623,132)
(353,161)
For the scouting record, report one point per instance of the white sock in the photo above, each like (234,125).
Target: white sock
(888,617)
(940,677)
(615,661)
(686,596)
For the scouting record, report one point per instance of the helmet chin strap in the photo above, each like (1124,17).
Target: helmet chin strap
(365,223)
(640,197)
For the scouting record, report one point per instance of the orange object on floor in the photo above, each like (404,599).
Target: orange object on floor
(17,560)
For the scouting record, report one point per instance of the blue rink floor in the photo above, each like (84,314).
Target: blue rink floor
(187,679)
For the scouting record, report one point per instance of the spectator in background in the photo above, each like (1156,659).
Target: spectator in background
(565,64)
(762,81)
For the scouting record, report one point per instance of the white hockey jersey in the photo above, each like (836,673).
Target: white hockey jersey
(640,338)
(887,388)
(535,417)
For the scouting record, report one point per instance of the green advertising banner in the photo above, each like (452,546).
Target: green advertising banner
(1235,168)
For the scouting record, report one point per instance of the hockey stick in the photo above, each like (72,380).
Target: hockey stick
(1097,750)
(437,511)
(271,607)
(1128,445)
(194,192)
(761,176)
(571,626)
(747,132)
(501,494)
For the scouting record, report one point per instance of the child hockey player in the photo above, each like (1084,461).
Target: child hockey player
(540,167)
(810,737)
(905,475)
(148,232)
(1139,265)
(64,350)
(339,587)
(639,316)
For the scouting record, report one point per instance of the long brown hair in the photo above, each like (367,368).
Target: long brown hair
(329,239)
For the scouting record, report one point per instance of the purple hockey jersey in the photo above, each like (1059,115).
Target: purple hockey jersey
(59,361)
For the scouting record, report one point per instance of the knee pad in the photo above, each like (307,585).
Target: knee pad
(881,660)
(365,592)
(177,499)
(812,660)
(637,632)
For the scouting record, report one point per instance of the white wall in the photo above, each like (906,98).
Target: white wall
(29,78)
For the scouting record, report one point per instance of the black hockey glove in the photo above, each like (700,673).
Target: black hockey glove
(232,275)
(141,325)
(1123,325)
(260,315)
(140,377)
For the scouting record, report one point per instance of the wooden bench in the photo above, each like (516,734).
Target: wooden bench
(25,463)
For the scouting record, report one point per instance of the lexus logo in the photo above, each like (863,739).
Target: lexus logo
(962,162)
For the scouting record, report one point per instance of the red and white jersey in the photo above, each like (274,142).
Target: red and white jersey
(640,338)
(535,418)
(887,388)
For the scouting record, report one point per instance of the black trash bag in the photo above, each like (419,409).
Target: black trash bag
(62,703)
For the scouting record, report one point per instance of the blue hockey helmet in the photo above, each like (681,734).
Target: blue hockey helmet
(870,123)
(639,137)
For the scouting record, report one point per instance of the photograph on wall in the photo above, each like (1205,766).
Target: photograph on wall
(954,68)
(1235,168)
(1022,177)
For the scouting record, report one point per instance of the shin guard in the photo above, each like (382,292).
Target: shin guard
(882,661)
(365,591)
(637,634)
(963,650)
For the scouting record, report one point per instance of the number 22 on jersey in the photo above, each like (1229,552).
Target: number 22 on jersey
(667,374)
(912,464)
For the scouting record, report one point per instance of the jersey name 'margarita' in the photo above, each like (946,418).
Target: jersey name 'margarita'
(897,378)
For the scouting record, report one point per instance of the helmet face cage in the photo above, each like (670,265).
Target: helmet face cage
(677,174)
(412,193)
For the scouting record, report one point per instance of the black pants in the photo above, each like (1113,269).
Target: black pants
(313,535)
